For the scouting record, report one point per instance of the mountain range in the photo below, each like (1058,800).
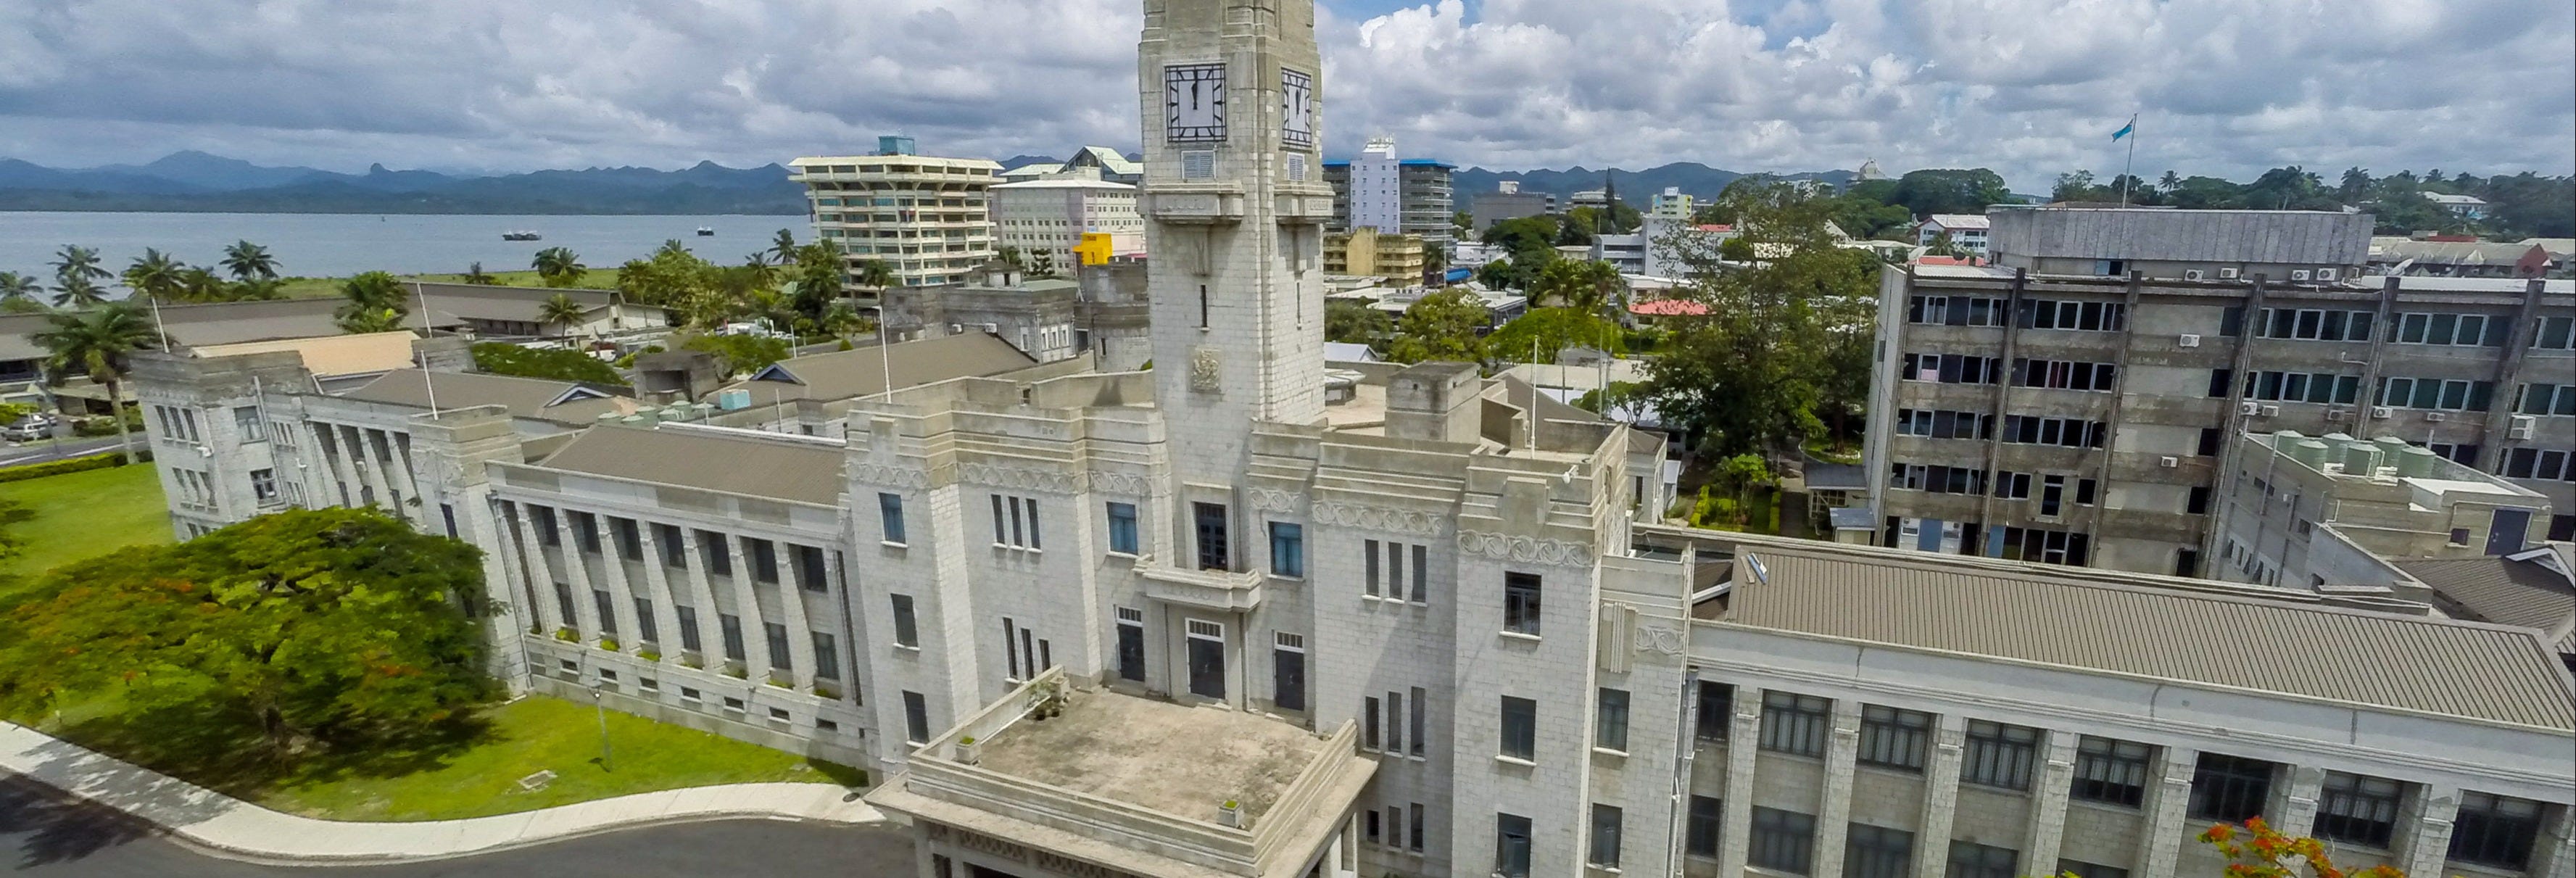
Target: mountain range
(196,182)
(185,182)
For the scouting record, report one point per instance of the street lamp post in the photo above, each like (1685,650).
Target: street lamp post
(602,707)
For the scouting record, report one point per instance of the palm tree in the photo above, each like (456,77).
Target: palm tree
(265,289)
(197,283)
(77,261)
(559,266)
(154,275)
(561,309)
(474,274)
(758,267)
(873,274)
(18,293)
(783,246)
(98,342)
(842,320)
(78,292)
(375,304)
(248,261)
(1011,256)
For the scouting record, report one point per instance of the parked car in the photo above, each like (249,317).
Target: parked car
(31,428)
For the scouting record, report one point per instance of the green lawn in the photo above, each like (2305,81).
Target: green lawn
(471,771)
(88,513)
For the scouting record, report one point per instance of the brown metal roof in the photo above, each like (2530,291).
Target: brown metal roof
(2186,634)
(219,323)
(855,373)
(533,398)
(2504,591)
(772,468)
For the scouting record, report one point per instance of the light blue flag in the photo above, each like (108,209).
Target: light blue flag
(2125,130)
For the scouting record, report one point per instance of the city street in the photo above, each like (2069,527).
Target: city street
(17,453)
(42,835)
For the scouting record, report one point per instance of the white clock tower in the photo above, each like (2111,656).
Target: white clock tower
(1235,205)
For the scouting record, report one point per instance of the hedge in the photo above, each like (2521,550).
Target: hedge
(103,460)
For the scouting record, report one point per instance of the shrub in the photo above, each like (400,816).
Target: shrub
(567,635)
(649,655)
(608,643)
(501,358)
(104,460)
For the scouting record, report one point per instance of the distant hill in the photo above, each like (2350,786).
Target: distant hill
(197,182)
(1695,179)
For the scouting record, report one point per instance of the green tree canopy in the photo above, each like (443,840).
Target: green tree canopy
(1355,322)
(559,266)
(1933,191)
(741,354)
(375,303)
(1537,337)
(1441,326)
(1585,286)
(307,626)
(99,342)
(503,358)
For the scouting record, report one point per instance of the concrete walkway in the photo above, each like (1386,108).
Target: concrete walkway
(231,826)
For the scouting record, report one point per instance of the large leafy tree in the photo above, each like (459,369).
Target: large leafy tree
(154,274)
(1584,286)
(18,293)
(248,261)
(502,358)
(1752,375)
(304,627)
(559,266)
(1355,322)
(374,304)
(1537,337)
(1933,191)
(1441,326)
(740,354)
(99,342)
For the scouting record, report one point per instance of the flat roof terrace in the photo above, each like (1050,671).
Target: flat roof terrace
(1156,754)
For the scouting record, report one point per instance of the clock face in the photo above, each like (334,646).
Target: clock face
(1194,102)
(1297,123)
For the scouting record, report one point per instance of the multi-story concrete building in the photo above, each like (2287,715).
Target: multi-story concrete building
(926,218)
(2338,511)
(1099,162)
(1367,252)
(1967,232)
(1407,196)
(1241,615)
(2073,402)
(1507,202)
(1050,214)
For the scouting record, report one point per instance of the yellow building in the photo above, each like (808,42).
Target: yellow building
(1366,253)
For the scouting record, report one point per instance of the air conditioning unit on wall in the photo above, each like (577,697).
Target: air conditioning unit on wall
(2249,409)
(2520,428)
(2437,417)
(2169,462)
(2188,340)
(2381,412)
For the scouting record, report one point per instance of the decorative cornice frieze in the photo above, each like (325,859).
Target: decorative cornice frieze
(1272,499)
(890,476)
(1384,518)
(1129,484)
(1525,549)
(1020,478)
(1661,639)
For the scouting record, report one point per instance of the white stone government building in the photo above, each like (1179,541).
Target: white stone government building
(1245,614)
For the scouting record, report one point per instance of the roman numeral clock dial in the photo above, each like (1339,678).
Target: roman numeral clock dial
(1297,119)
(1194,102)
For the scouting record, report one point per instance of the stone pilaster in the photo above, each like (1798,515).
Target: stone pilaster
(2296,805)
(791,605)
(2054,780)
(746,602)
(2168,799)
(1940,795)
(541,577)
(2553,855)
(657,585)
(621,597)
(702,597)
(1744,739)
(1833,822)
(2425,843)
(585,608)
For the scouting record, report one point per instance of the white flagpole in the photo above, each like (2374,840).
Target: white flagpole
(2132,163)
(421,295)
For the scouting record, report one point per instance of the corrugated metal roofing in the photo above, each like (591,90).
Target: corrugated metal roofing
(778,469)
(2504,591)
(2183,634)
(2165,235)
(862,371)
(534,398)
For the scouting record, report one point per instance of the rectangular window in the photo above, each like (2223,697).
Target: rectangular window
(1716,712)
(2112,771)
(2492,830)
(630,540)
(1520,729)
(732,630)
(1999,755)
(2547,399)
(2081,869)
(1420,708)
(1705,826)
(1131,644)
(688,628)
(827,656)
(1892,738)
(1413,838)
(645,628)
(1209,523)
(763,558)
(719,552)
(263,487)
(1605,837)
(247,422)
(607,608)
(1511,846)
(1370,580)
(810,569)
(1971,860)
(1370,739)
(907,628)
(1287,550)
(776,634)
(1288,671)
(1610,723)
(890,517)
(1783,841)
(2357,809)
(916,718)
(585,531)
(1877,852)
(2230,789)
(1421,574)
(1395,722)
(1122,528)
(1796,724)
(675,551)
(1520,603)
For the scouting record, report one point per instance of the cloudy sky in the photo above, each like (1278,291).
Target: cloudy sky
(2028,87)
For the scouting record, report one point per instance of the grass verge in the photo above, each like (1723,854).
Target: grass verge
(87,513)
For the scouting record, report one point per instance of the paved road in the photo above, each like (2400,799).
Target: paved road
(44,836)
(15,453)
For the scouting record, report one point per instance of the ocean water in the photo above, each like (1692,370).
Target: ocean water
(333,245)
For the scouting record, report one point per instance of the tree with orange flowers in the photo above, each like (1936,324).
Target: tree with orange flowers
(2256,850)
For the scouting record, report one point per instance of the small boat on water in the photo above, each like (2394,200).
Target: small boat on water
(521,236)
(706,231)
